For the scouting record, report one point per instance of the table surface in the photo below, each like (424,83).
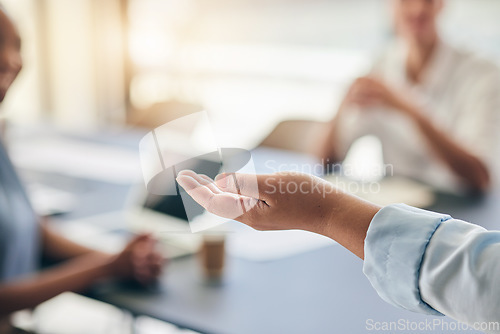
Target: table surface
(322,291)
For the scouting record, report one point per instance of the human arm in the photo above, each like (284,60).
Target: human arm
(417,260)
(351,121)
(346,125)
(71,276)
(137,261)
(430,263)
(58,248)
(329,146)
(464,258)
(460,159)
(466,165)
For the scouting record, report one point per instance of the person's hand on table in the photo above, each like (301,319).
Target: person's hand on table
(284,201)
(139,261)
(366,94)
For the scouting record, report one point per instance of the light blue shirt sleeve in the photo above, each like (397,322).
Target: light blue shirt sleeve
(394,250)
(460,274)
(430,263)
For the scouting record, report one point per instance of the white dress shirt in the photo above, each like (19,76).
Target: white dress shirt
(459,92)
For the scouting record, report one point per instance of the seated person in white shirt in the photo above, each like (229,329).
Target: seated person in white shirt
(434,107)
(418,260)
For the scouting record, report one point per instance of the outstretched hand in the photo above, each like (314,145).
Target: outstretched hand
(284,201)
(264,202)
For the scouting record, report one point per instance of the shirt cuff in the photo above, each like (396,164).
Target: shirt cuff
(394,250)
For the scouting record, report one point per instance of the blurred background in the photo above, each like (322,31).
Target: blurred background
(91,64)
(94,66)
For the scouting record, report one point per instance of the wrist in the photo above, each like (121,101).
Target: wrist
(417,118)
(348,221)
(94,266)
(104,264)
(339,205)
(330,209)
(411,111)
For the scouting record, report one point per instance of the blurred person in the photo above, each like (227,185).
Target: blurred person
(24,239)
(417,260)
(434,107)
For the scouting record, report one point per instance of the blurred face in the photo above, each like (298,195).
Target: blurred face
(416,19)
(10,54)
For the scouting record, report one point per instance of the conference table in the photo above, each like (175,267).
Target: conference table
(320,291)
